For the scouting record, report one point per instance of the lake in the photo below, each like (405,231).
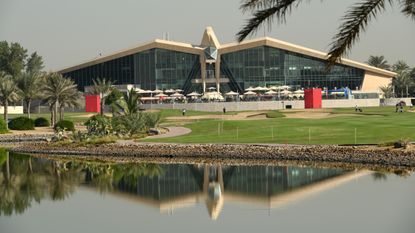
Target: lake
(56,195)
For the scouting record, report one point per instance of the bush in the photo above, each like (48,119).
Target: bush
(65,124)
(22,123)
(3,128)
(41,122)
(99,125)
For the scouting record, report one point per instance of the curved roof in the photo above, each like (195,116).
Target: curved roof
(209,39)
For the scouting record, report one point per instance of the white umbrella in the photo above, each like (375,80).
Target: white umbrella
(250,89)
(232,93)
(212,88)
(212,95)
(157,91)
(286,92)
(273,88)
(285,87)
(260,88)
(299,92)
(144,91)
(169,91)
(177,95)
(178,90)
(194,94)
(249,93)
(271,92)
(161,95)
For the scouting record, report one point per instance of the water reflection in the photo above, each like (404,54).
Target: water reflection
(25,180)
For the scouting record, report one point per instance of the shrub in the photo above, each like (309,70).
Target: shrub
(152,120)
(65,124)
(3,128)
(22,123)
(41,122)
(99,125)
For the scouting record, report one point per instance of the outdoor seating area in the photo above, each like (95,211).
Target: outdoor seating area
(259,93)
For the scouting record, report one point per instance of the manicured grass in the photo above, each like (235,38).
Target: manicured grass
(373,125)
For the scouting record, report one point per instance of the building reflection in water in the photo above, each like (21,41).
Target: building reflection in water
(164,186)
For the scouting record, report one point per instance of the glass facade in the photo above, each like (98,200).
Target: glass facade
(266,66)
(151,69)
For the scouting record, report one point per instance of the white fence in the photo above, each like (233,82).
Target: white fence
(263,105)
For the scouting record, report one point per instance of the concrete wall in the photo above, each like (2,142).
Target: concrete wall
(263,105)
(394,101)
(12,109)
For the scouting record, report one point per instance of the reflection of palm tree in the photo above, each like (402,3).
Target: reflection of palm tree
(62,181)
(379,176)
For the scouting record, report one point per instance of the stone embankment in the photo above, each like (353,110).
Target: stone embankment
(370,155)
(11,138)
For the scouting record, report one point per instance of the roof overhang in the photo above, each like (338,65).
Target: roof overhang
(271,42)
(160,44)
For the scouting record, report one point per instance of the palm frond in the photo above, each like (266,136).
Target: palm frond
(274,9)
(354,22)
(248,5)
(408,8)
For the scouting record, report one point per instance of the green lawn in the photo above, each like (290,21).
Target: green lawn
(373,125)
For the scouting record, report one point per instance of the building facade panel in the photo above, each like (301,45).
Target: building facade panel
(266,66)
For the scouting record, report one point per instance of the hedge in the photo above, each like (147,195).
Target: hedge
(42,122)
(65,124)
(3,127)
(22,123)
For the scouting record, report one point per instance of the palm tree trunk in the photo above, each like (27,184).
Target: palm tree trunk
(60,113)
(28,103)
(51,115)
(56,112)
(7,166)
(6,113)
(102,106)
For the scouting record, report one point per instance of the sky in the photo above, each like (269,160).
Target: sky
(66,33)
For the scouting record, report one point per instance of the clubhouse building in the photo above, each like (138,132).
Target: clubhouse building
(262,62)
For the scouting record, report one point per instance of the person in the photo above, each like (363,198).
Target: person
(183,112)
(397,107)
(356,108)
(224,110)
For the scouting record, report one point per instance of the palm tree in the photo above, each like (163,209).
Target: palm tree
(400,66)
(58,89)
(387,91)
(8,93)
(103,88)
(353,23)
(129,104)
(379,62)
(402,83)
(69,99)
(29,85)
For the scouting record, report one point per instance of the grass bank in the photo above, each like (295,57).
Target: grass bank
(344,126)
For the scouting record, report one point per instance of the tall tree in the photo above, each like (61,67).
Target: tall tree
(34,63)
(403,83)
(56,89)
(29,84)
(12,58)
(379,62)
(400,66)
(103,88)
(355,20)
(8,93)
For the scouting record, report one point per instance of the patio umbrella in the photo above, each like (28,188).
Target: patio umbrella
(273,88)
(169,91)
(157,91)
(212,88)
(250,89)
(231,93)
(285,92)
(161,95)
(299,92)
(259,88)
(271,92)
(212,96)
(194,94)
(178,90)
(176,95)
(249,93)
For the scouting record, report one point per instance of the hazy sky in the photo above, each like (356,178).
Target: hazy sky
(69,32)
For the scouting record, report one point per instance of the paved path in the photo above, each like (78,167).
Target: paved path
(173,132)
